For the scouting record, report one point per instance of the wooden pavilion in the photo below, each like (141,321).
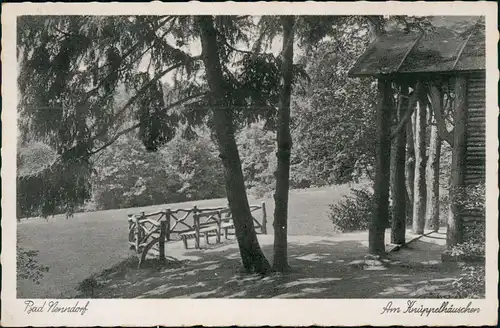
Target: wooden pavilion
(447,59)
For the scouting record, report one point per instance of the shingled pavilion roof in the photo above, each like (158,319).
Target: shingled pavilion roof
(453,44)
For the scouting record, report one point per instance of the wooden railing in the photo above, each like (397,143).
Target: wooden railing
(155,229)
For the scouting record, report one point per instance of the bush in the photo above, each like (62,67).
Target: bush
(48,184)
(28,267)
(468,251)
(89,286)
(472,249)
(353,212)
(471,283)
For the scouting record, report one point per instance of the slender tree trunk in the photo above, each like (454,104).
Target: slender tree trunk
(398,229)
(420,191)
(252,257)
(378,224)
(432,219)
(410,168)
(393,180)
(284,140)
(457,183)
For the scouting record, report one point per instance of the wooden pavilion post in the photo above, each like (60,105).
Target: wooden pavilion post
(196,225)
(162,238)
(382,169)
(455,232)
(398,227)
(167,219)
(264,218)
(420,185)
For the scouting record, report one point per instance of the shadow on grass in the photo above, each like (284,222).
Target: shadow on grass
(320,269)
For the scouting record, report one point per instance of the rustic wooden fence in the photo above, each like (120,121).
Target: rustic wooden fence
(150,230)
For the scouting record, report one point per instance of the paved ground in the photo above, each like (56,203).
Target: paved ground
(322,267)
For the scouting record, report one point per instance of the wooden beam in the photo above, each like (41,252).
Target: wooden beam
(454,233)
(398,226)
(420,189)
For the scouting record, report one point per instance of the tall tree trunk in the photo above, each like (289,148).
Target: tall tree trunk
(393,159)
(251,254)
(454,225)
(376,243)
(398,229)
(420,191)
(410,168)
(432,219)
(284,140)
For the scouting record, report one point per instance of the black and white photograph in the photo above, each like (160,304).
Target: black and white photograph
(163,155)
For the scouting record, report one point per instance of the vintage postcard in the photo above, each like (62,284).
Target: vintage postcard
(249,164)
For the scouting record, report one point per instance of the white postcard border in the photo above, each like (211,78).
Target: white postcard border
(217,312)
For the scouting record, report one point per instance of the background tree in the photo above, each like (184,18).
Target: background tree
(129,176)
(32,159)
(257,146)
(70,69)
(332,117)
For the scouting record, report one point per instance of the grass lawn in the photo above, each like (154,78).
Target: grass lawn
(91,242)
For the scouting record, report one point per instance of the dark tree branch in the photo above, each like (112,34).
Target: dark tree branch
(112,140)
(238,50)
(437,108)
(128,53)
(129,129)
(139,93)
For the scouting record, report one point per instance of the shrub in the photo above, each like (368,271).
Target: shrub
(353,212)
(28,267)
(471,283)
(468,250)
(89,286)
(473,197)
(472,249)
(476,233)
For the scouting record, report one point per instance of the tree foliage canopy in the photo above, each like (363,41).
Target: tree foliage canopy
(72,67)
(86,81)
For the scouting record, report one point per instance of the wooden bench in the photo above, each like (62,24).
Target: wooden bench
(214,223)
(209,222)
